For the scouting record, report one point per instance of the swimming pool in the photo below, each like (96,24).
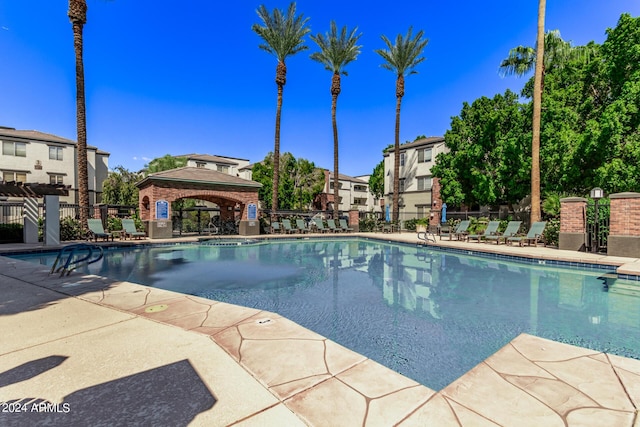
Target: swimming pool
(429,314)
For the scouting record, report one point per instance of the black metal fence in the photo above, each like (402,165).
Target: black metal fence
(13,212)
(598,214)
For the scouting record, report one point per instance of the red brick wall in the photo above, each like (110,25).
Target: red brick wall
(625,214)
(436,202)
(224,199)
(573,215)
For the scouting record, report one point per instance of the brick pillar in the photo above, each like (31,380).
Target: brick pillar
(624,225)
(573,223)
(354,219)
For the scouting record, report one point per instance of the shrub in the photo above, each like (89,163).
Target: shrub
(367,224)
(10,233)
(551,232)
(114,223)
(70,229)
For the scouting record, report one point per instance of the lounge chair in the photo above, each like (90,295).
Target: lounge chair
(275,227)
(510,231)
(301,226)
(492,228)
(345,226)
(459,233)
(286,226)
(97,231)
(533,236)
(332,226)
(320,225)
(129,227)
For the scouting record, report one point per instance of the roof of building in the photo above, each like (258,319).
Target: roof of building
(34,135)
(343,177)
(193,175)
(214,158)
(430,140)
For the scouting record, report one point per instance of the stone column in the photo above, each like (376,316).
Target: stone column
(624,225)
(436,203)
(573,224)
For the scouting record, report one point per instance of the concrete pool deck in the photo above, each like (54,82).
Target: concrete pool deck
(90,350)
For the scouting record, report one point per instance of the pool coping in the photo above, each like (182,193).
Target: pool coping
(527,382)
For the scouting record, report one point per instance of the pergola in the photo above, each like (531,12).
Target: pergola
(227,191)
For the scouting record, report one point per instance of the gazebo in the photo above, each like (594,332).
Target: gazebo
(229,192)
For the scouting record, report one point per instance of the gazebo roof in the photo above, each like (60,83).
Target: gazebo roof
(13,189)
(198,176)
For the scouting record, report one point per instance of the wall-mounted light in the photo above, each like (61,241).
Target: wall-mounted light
(597,193)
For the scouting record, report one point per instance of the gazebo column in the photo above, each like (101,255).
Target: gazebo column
(249,222)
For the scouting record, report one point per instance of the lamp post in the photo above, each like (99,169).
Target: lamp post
(596,194)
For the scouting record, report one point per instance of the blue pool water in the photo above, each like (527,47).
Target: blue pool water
(428,314)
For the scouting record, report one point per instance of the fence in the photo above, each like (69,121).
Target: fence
(598,214)
(13,212)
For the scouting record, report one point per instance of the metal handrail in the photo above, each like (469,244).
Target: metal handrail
(71,264)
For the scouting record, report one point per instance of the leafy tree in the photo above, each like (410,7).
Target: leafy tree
(301,181)
(401,58)
(376,181)
(283,36)
(336,51)
(78,16)
(164,163)
(119,188)
(488,161)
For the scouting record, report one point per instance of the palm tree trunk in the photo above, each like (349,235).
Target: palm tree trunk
(335,91)
(77,14)
(537,107)
(396,152)
(276,154)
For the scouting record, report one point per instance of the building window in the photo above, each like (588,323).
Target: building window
(421,211)
(359,202)
(200,165)
(10,148)
(401,159)
(339,185)
(401,189)
(14,176)
(55,179)
(55,153)
(424,155)
(223,168)
(360,188)
(424,183)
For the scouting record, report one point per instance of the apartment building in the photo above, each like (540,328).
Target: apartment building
(30,156)
(353,192)
(416,183)
(229,165)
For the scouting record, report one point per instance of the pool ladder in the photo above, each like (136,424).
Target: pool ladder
(71,251)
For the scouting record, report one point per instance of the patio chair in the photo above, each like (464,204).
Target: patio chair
(492,228)
(97,231)
(129,227)
(286,226)
(534,235)
(275,227)
(320,225)
(510,231)
(301,226)
(332,226)
(345,226)
(459,232)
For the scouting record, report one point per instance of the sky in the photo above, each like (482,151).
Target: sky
(188,77)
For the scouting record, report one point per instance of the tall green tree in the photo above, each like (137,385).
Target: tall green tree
(283,36)
(119,188)
(337,49)
(401,58)
(376,181)
(78,16)
(164,163)
(488,162)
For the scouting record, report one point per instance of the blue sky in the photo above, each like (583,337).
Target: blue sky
(188,77)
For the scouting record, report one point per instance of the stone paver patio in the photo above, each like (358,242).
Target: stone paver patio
(121,353)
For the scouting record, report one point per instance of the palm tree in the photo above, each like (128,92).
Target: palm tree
(78,17)
(401,58)
(283,36)
(537,109)
(336,51)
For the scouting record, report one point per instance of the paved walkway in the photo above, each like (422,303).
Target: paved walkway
(87,350)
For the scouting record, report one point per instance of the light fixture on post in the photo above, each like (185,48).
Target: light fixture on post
(596,194)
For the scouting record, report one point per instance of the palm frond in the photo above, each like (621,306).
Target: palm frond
(283,34)
(337,48)
(403,56)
